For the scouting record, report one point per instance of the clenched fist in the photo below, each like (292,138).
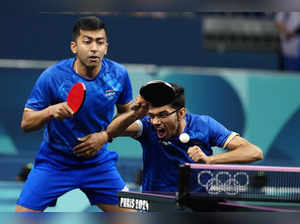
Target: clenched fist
(140,106)
(198,155)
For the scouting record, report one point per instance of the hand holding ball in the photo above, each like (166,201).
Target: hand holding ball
(184,138)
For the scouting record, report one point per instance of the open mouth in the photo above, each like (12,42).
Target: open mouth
(94,58)
(161,133)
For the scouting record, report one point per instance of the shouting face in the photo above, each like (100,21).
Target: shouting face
(167,121)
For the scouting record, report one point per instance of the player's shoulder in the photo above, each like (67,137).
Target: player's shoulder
(146,122)
(60,67)
(197,122)
(114,66)
(198,118)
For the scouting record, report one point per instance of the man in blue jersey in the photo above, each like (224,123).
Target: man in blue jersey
(72,154)
(159,132)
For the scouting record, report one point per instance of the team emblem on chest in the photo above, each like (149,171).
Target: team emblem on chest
(109,93)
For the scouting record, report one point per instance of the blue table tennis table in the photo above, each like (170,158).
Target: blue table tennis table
(223,188)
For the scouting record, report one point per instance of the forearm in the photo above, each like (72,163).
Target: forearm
(34,120)
(243,154)
(121,123)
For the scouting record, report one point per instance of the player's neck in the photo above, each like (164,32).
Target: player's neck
(86,72)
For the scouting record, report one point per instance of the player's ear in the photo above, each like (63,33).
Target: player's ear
(106,48)
(73,47)
(181,113)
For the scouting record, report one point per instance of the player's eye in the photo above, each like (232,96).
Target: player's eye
(101,43)
(163,115)
(152,116)
(86,41)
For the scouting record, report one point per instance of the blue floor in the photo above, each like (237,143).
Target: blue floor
(9,192)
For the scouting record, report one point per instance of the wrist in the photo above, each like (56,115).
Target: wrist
(209,160)
(134,115)
(49,113)
(108,136)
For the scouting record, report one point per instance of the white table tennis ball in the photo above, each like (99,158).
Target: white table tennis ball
(184,138)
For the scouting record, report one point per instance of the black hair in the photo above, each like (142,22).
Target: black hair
(87,23)
(179,100)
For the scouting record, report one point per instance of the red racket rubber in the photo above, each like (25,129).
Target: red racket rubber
(76,96)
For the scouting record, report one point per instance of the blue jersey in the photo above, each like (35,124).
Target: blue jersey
(161,159)
(110,87)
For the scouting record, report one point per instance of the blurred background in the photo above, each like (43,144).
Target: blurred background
(233,67)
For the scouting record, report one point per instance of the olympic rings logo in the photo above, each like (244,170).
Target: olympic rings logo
(223,182)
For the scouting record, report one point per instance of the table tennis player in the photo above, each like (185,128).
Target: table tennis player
(71,155)
(170,136)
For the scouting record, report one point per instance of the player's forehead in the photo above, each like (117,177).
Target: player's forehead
(157,110)
(93,34)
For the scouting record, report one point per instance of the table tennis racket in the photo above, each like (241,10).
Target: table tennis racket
(158,93)
(76,97)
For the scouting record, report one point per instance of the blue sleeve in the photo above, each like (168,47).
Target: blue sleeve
(218,133)
(126,94)
(40,96)
(146,128)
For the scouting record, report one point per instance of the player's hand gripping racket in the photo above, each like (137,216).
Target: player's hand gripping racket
(158,93)
(76,97)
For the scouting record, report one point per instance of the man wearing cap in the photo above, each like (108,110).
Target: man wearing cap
(170,136)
